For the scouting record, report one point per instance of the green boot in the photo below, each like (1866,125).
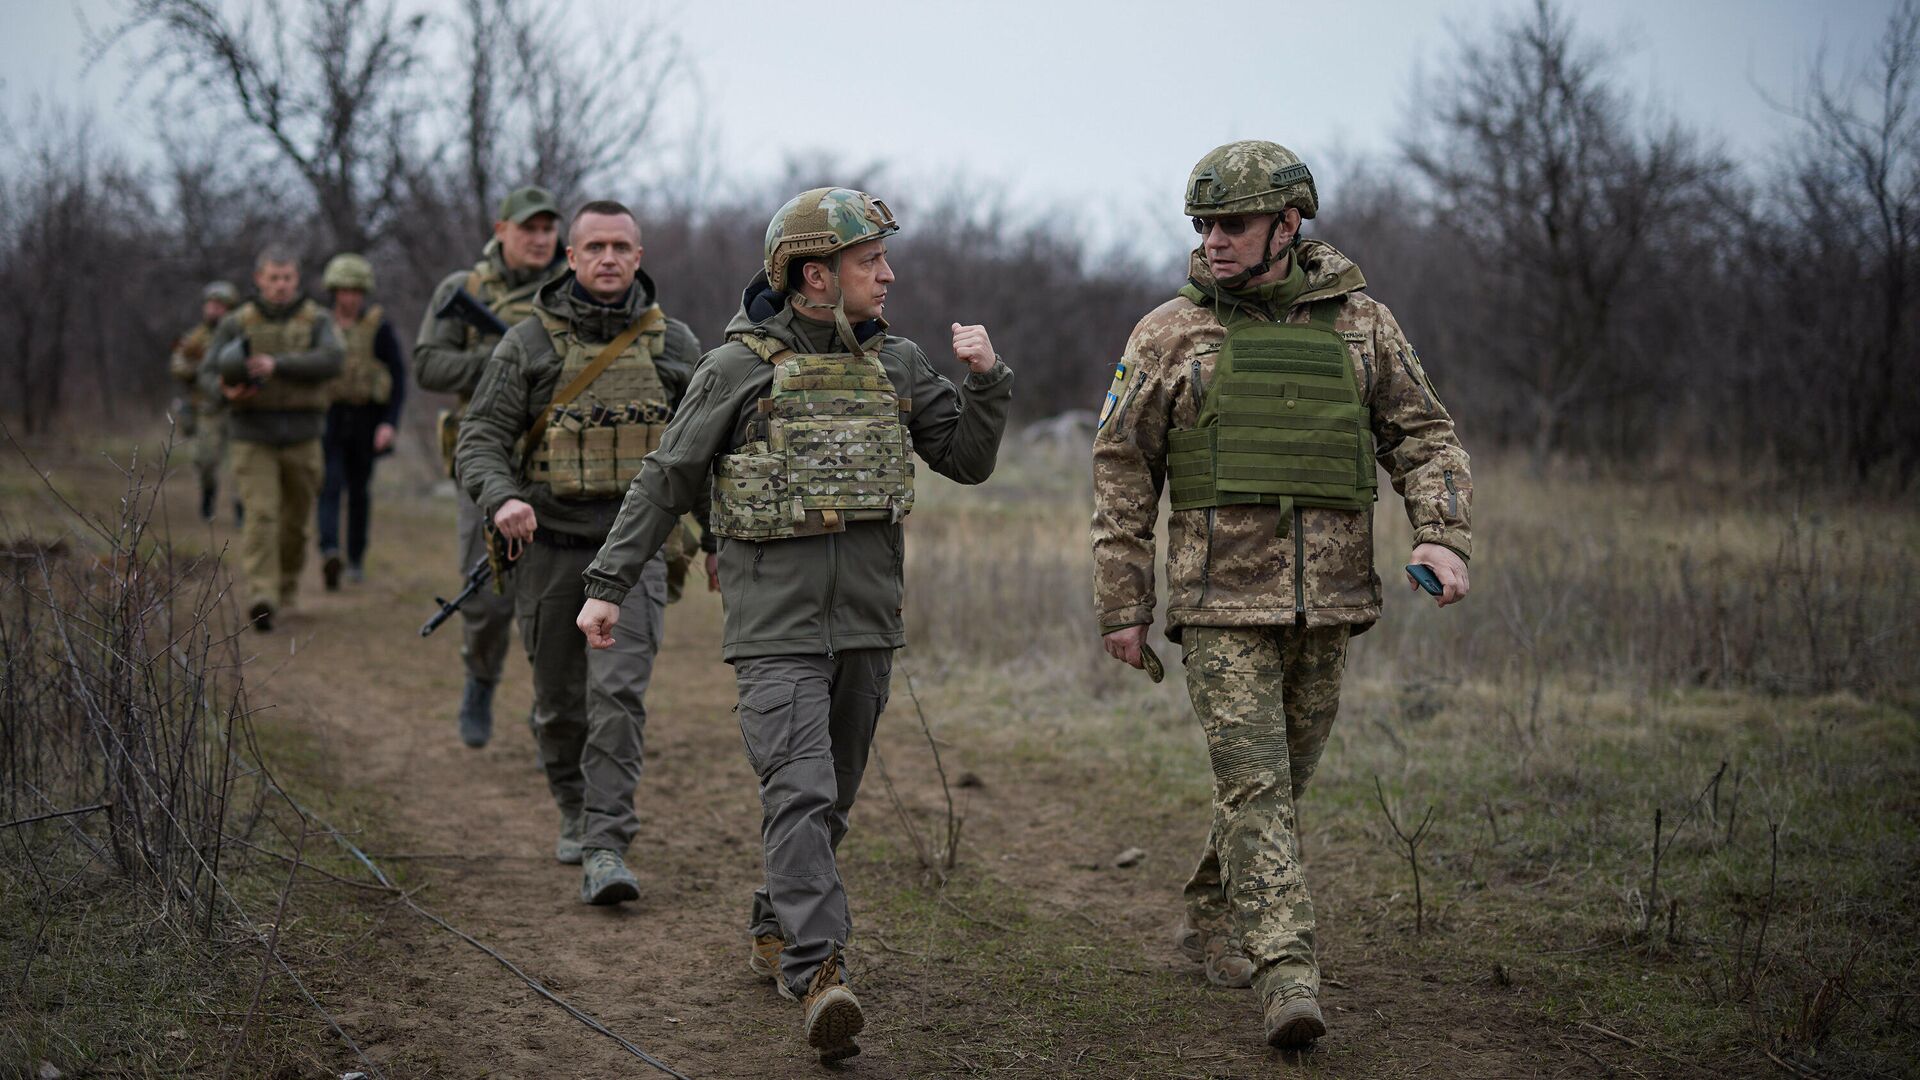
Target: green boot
(607,879)
(1293,1019)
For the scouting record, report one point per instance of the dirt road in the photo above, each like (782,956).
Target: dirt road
(1031,963)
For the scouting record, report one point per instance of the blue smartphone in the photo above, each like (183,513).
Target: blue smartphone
(1424,577)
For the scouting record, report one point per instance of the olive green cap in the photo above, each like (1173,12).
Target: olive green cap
(1252,176)
(820,222)
(348,270)
(524,203)
(222,291)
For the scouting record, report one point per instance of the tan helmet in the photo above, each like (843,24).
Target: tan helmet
(348,271)
(222,291)
(1252,176)
(820,222)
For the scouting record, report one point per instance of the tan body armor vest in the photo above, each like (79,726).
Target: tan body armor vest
(510,306)
(364,380)
(832,447)
(1281,425)
(593,445)
(275,337)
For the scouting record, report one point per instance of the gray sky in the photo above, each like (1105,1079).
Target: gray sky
(1105,104)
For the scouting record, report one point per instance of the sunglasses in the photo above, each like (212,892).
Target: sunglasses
(1231,225)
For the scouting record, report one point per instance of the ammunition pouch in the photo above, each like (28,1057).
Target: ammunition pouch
(594,453)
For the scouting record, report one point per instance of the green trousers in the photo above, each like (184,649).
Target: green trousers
(277,485)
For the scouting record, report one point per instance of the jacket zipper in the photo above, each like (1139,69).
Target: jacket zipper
(1299,562)
(833,583)
(1199,392)
(1453,495)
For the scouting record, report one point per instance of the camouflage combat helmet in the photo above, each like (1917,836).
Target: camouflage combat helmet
(222,291)
(1250,177)
(348,271)
(820,222)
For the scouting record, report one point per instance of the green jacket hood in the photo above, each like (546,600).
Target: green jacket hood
(1330,274)
(764,311)
(594,321)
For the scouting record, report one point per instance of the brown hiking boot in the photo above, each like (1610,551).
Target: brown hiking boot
(1226,964)
(1293,1019)
(833,1013)
(765,960)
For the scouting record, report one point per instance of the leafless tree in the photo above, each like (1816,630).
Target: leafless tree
(1545,181)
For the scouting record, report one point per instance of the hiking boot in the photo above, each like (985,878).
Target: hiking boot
(833,1013)
(607,879)
(1225,963)
(208,497)
(261,616)
(1293,1019)
(476,715)
(567,849)
(765,959)
(330,568)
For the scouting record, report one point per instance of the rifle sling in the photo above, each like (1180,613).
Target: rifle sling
(653,317)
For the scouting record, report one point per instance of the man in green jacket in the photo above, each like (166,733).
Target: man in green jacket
(801,429)
(1260,399)
(570,403)
(448,355)
(272,359)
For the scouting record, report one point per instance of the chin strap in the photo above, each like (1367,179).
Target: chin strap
(1240,280)
(839,305)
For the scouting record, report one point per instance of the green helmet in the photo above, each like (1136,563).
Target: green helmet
(821,222)
(222,291)
(348,271)
(1250,177)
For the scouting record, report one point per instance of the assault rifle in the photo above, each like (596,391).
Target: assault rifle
(478,578)
(466,307)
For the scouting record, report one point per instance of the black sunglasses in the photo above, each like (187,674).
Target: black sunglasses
(1232,225)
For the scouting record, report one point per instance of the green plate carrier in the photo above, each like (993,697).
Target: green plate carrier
(1282,424)
(832,446)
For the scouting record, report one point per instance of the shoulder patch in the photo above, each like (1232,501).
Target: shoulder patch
(1113,392)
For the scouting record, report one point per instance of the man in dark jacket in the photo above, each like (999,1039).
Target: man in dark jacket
(363,414)
(802,427)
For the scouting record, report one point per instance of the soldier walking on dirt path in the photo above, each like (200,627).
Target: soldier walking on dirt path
(272,359)
(201,411)
(364,412)
(1262,396)
(801,430)
(570,403)
(448,356)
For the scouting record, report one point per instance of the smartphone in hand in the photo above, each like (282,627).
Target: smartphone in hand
(1424,577)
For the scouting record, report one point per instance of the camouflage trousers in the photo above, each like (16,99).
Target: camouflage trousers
(277,485)
(1267,697)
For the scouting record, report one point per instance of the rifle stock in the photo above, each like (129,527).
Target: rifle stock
(466,307)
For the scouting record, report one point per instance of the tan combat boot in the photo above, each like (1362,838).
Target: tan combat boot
(833,1013)
(1293,1019)
(1225,963)
(765,960)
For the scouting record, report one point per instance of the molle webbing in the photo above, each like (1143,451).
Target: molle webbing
(589,444)
(831,447)
(1282,423)
(280,337)
(364,380)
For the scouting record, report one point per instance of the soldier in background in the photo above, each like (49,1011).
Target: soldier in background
(364,412)
(1262,395)
(448,357)
(570,403)
(801,430)
(201,411)
(272,359)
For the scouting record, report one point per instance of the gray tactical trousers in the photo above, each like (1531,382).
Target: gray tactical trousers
(589,713)
(808,724)
(486,619)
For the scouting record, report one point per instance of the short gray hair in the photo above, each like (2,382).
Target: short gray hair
(276,253)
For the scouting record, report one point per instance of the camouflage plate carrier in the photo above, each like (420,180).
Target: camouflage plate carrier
(364,380)
(832,447)
(593,445)
(270,337)
(1282,424)
(509,306)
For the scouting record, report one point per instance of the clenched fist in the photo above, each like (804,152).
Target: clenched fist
(972,347)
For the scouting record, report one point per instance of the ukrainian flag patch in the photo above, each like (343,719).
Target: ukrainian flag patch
(1113,392)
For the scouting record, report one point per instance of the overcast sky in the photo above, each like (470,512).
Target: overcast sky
(1106,103)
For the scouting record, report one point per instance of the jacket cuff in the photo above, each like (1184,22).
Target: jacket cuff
(1121,618)
(709,543)
(612,594)
(1454,538)
(992,377)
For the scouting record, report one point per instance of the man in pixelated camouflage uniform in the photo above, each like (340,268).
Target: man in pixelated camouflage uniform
(1261,396)
(202,412)
(801,431)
